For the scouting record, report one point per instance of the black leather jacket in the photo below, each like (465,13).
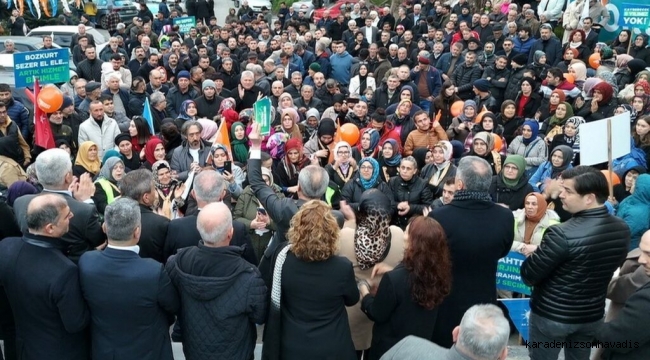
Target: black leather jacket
(572,267)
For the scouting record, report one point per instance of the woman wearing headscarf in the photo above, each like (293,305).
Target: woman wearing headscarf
(344,167)
(368,239)
(18,189)
(510,186)
(423,156)
(87,160)
(441,169)
(106,188)
(285,101)
(310,125)
(360,82)
(547,108)
(239,143)
(407,299)
(482,147)
(368,145)
(581,105)
(528,100)
(559,160)
(635,210)
(553,125)
(531,222)
(286,171)
(154,151)
(389,159)
(170,191)
(570,137)
(411,193)
(639,48)
(250,212)
(289,124)
(624,189)
(367,178)
(579,71)
(188,112)
(567,58)
(488,124)
(402,119)
(462,124)
(607,61)
(210,128)
(530,146)
(442,103)
(539,65)
(608,77)
(405,93)
(603,103)
(321,144)
(510,121)
(622,72)
(234,176)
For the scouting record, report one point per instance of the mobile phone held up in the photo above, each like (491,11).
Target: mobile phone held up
(227,166)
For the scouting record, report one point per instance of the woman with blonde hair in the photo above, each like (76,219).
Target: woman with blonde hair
(310,289)
(87,160)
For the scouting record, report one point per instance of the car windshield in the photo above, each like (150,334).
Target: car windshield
(7,75)
(62,40)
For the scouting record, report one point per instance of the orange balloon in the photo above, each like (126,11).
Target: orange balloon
(50,99)
(615,179)
(570,78)
(479,117)
(457,108)
(498,142)
(594,60)
(349,133)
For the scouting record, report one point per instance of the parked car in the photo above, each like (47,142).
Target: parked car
(307,6)
(126,8)
(24,43)
(153,6)
(63,35)
(334,9)
(257,5)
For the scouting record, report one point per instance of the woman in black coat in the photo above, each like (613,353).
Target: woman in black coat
(368,177)
(410,192)
(408,296)
(315,287)
(533,100)
(511,186)
(436,173)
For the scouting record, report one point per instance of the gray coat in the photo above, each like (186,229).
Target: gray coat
(181,158)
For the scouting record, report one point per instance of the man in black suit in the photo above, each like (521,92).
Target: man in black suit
(42,285)
(471,205)
(139,186)
(592,35)
(209,187)
(133,300)
(54,172)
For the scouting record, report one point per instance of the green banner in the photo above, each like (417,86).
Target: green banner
(185,23)
(262,114)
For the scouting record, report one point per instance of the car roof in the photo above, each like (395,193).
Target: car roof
(22,39)
(68,30)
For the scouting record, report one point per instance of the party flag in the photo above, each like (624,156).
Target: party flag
(222,136)
(42,132)
(146,114)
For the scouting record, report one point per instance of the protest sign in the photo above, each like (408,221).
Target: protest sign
(49,66)
(634,15)
(185,23)
(262,114)
(509,273)
(596,140)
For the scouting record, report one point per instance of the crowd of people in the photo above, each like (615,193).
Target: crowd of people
(163,205)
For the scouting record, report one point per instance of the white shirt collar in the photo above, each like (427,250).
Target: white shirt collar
(134,248)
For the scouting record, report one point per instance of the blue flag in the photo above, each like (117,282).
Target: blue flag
(146,114)
(519,310)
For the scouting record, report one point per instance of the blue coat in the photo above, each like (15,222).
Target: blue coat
(444,62)
(542,173)
(132,302)
(635,210)
(341,66)
(522,47)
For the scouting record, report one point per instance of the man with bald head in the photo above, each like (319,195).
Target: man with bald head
(222,295)
(42,285)
(156,78)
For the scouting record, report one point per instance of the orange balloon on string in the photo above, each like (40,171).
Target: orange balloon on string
(498,142)
(594,60)
(349,133)
(569,77)
(50,99)
(457,108)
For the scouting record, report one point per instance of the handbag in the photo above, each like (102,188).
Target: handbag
(273,327)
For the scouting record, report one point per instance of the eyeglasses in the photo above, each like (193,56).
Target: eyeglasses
(510,168)
(364,167)
(344,153)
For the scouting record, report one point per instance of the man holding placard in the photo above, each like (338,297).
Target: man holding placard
(571,268)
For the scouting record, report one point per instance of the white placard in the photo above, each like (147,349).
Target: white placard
(593,139)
